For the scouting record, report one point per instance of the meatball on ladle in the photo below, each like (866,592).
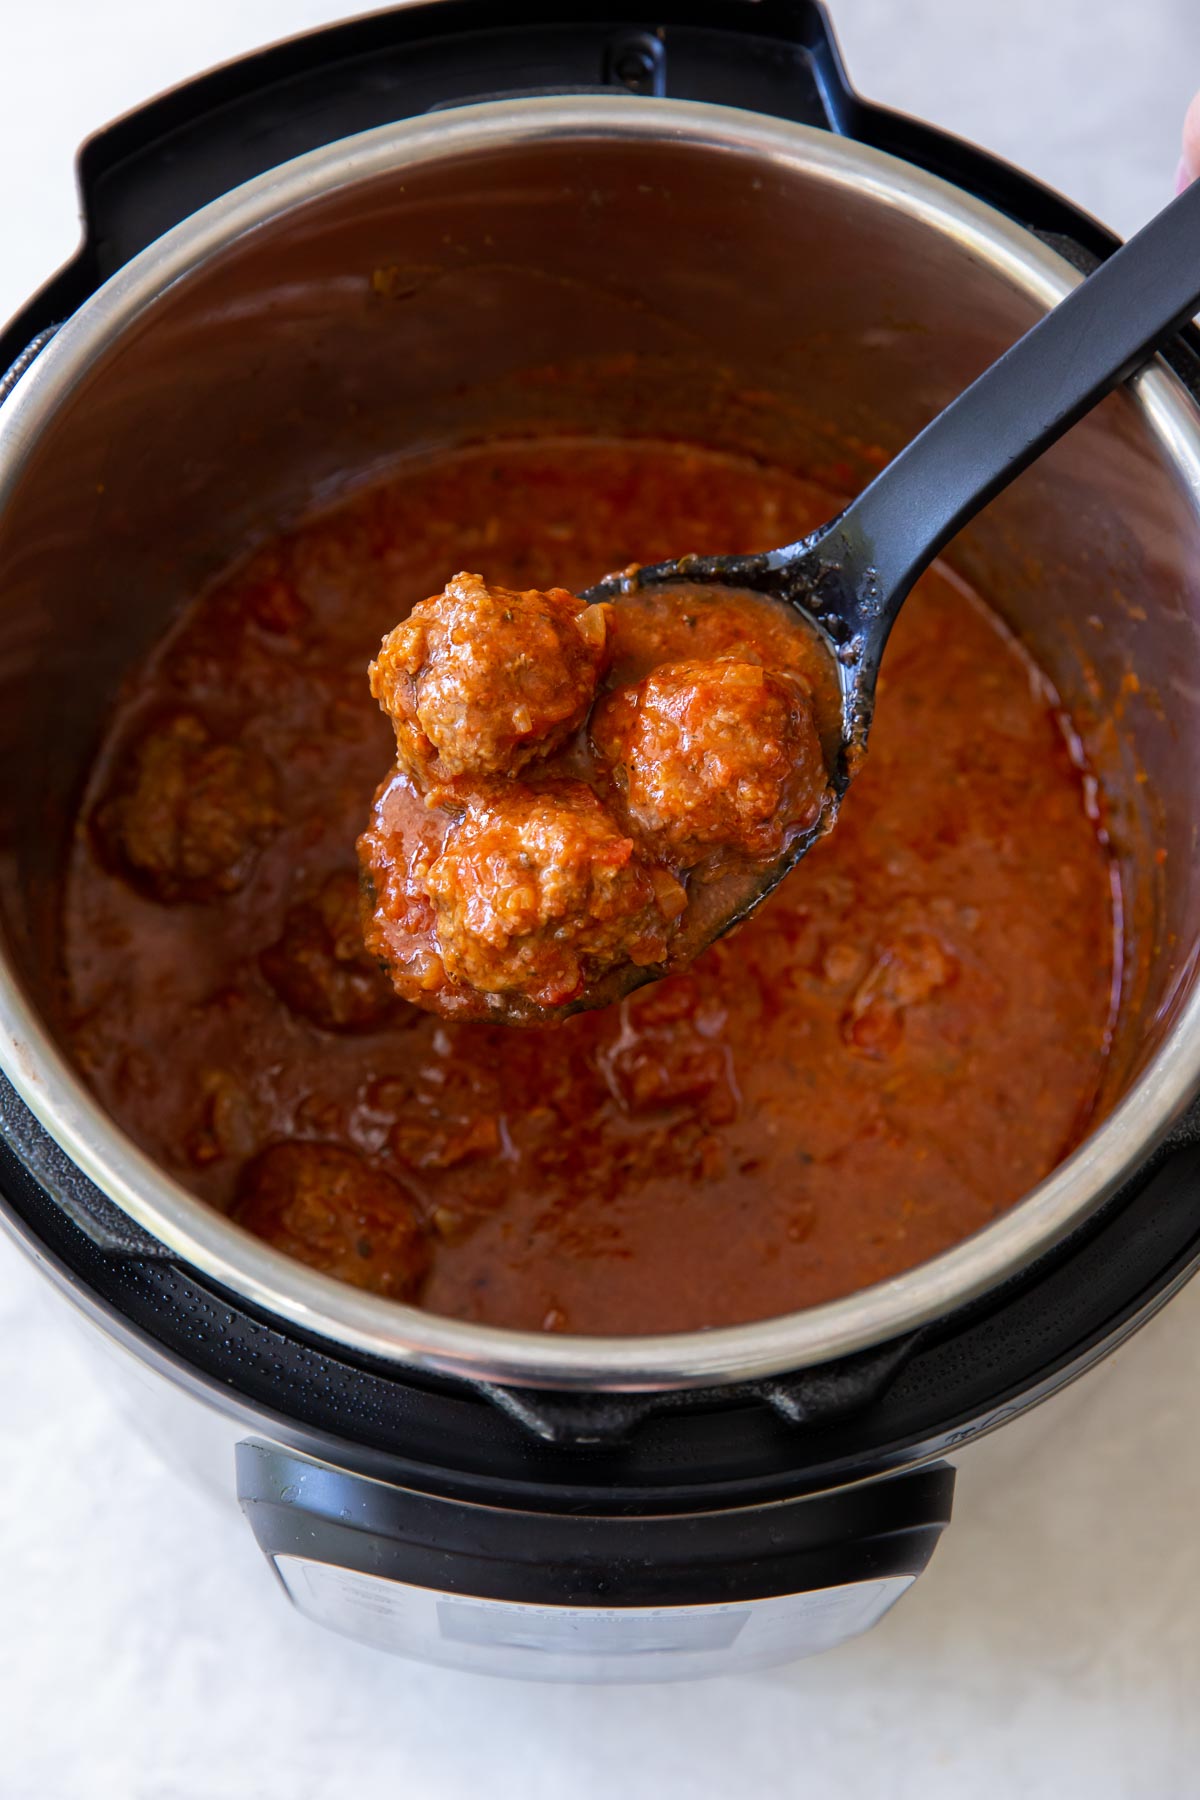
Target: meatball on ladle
(564,824)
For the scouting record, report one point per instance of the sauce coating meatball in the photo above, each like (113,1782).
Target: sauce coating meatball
(479,680)
(320,967)
(713,756)
(328,1208)
(537,891)
(188,813)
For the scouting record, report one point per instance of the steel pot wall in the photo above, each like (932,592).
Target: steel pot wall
(682,270)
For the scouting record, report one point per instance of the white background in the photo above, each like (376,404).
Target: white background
(1053,1649)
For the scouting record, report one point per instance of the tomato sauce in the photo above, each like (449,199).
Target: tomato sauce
(907,1037)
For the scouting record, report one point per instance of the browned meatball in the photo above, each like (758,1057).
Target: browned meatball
(478,680)
(538,891)
(328,1208)
(713,756)
(188,814)
(321,968)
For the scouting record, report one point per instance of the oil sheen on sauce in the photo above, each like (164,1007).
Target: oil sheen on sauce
(896,1047)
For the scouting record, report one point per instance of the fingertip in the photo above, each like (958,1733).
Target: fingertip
(1189,161)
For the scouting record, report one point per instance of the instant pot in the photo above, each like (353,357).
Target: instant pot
(430,225)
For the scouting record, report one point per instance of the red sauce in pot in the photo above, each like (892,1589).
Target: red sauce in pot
(907,1037)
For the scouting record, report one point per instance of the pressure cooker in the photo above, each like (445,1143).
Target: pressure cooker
(695,201)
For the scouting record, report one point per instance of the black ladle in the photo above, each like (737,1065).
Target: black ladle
(849,579)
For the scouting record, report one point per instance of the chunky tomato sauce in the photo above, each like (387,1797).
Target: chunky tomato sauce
(907,1036)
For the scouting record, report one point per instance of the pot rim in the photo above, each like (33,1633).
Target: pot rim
(289,1291)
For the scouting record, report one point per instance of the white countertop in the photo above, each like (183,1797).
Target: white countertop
(1053,1648)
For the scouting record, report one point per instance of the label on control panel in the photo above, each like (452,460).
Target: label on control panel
(570,1643)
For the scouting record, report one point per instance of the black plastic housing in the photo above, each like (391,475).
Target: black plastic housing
(804,1434)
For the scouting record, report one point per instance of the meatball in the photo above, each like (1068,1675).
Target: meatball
(320,967)
(713,756)
(189,813)
(326,1207)
(479,680)
(537,891)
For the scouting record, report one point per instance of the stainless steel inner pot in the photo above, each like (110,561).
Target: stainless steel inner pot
(676,269)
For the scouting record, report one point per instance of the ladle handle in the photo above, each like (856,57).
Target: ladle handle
(1102,332)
